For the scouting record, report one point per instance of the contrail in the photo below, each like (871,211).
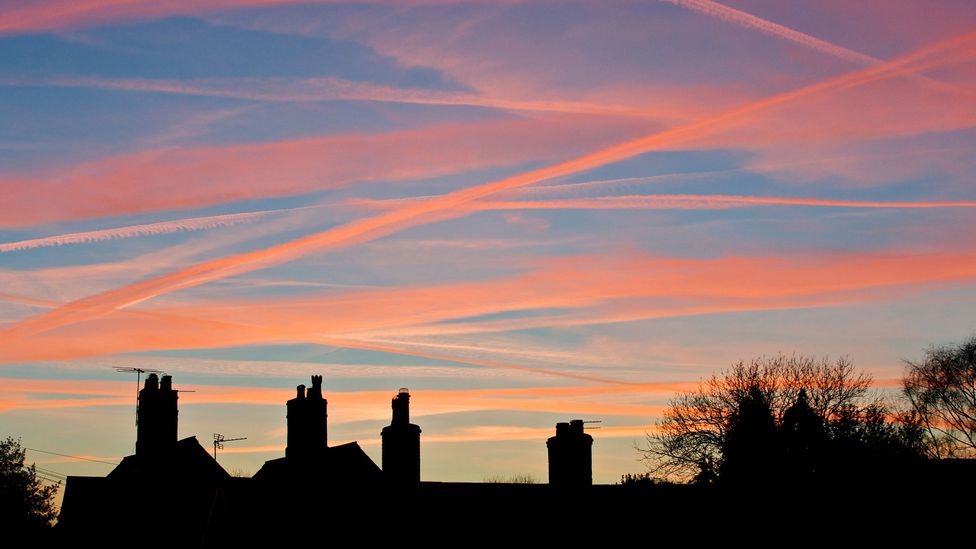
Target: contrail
(381,347)
(747,20)
(686,202)
(415,213)
(34,302)
(149,229)
(282,90)
(578,188)
(66,14)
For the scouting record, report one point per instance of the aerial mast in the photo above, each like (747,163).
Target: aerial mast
(219,441)
(138,372)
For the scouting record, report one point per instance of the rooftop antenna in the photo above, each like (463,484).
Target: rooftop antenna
(138,372)
(219,441)
(592,421)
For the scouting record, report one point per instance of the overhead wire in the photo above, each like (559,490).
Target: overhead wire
(70,456)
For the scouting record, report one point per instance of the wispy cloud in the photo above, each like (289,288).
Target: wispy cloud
(685,202)
(166,330)
(403,320)
(59,282)
(19,394)
(413,214)
(282,368)
(301,90)
(49,15)
(148,229)
(747,20)
(195,177)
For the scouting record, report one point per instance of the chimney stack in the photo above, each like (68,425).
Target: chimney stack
(157,418)
(307,421)
(401,444)
(570,456)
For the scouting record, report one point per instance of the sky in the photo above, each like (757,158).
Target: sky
(525,212)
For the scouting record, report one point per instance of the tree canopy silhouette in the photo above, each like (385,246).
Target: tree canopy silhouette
(775,416)
(26,505)
(942,392)
(750,445)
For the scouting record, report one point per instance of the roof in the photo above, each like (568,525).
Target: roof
(343,465)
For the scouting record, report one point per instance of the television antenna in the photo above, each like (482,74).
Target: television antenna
(138,372)
(219,441)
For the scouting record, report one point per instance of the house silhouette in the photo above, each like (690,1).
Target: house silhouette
(174,492)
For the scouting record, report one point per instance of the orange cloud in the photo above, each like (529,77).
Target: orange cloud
(354,406)
(47,15)
(681,202)
(196,177)
(349,407)
(747,20)
(69,282)
(587,289)
(137,330)
(741,18)
(590,280)
(298,90)
(419,212)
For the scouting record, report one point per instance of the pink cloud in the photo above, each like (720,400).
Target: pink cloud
(421,211)
(166,179)
(47,15)
(681,202)
(21,394)
(747,20)
(299,90)
(588,289)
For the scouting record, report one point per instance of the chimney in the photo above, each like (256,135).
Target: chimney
(307,419)
(401,444)
(401,408)
(570,456)
(157,418)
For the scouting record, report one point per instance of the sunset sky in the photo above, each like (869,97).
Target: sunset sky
(525,212)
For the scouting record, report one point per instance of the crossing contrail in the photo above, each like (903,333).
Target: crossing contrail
(743,19)
(148,229)
(420,212)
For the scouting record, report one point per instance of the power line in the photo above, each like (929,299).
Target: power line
(50,472)
(45,479)
(49,476)
(73,457)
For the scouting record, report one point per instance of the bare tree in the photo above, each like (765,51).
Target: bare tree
(942,392)
(688,442)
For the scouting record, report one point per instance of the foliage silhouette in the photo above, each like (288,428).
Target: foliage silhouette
(637,480)
(26,505)
(776,418)
(517,478)
(750,448)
